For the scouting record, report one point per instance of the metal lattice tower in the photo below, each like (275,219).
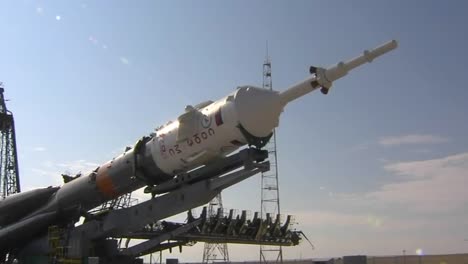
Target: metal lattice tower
(9,177)
(215,252)
(270,199)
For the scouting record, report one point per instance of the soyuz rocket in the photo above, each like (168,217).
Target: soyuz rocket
(202,134)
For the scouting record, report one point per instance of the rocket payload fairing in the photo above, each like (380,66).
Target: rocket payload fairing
(202,134)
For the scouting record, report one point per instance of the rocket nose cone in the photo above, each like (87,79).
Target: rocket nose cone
(258,109)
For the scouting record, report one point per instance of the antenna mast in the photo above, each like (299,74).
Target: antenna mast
(270,199)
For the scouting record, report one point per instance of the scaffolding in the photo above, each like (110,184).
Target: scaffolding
(270,199)
(59,253)
(215,252)
(9,177)
(121,202)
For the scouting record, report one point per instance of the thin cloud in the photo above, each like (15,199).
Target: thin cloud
(434,186)
(93,40)
(318,219)
(412,139)
(48,176)
(360,147)
(39,149)
(77,166)
(50,172)
(330,218)
(437,185)
(104,46)
(124,60)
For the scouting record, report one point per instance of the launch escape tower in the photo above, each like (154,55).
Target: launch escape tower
(9,181)
(211,250)
(270,199)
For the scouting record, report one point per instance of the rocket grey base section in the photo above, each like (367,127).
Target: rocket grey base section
(19,205)
(12,234)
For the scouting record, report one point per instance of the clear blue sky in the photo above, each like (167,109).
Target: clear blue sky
(377,166)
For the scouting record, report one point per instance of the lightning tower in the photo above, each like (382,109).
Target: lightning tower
(9,177)
(270,199)
(215,252)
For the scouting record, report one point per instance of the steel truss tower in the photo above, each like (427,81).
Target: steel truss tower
(9,177)
(215,252)
(270,199)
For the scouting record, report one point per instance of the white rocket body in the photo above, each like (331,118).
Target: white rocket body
(201,135)
(212,129)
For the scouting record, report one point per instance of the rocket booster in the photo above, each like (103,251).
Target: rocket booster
(202,134)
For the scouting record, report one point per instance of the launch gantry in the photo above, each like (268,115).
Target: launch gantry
(9,181)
